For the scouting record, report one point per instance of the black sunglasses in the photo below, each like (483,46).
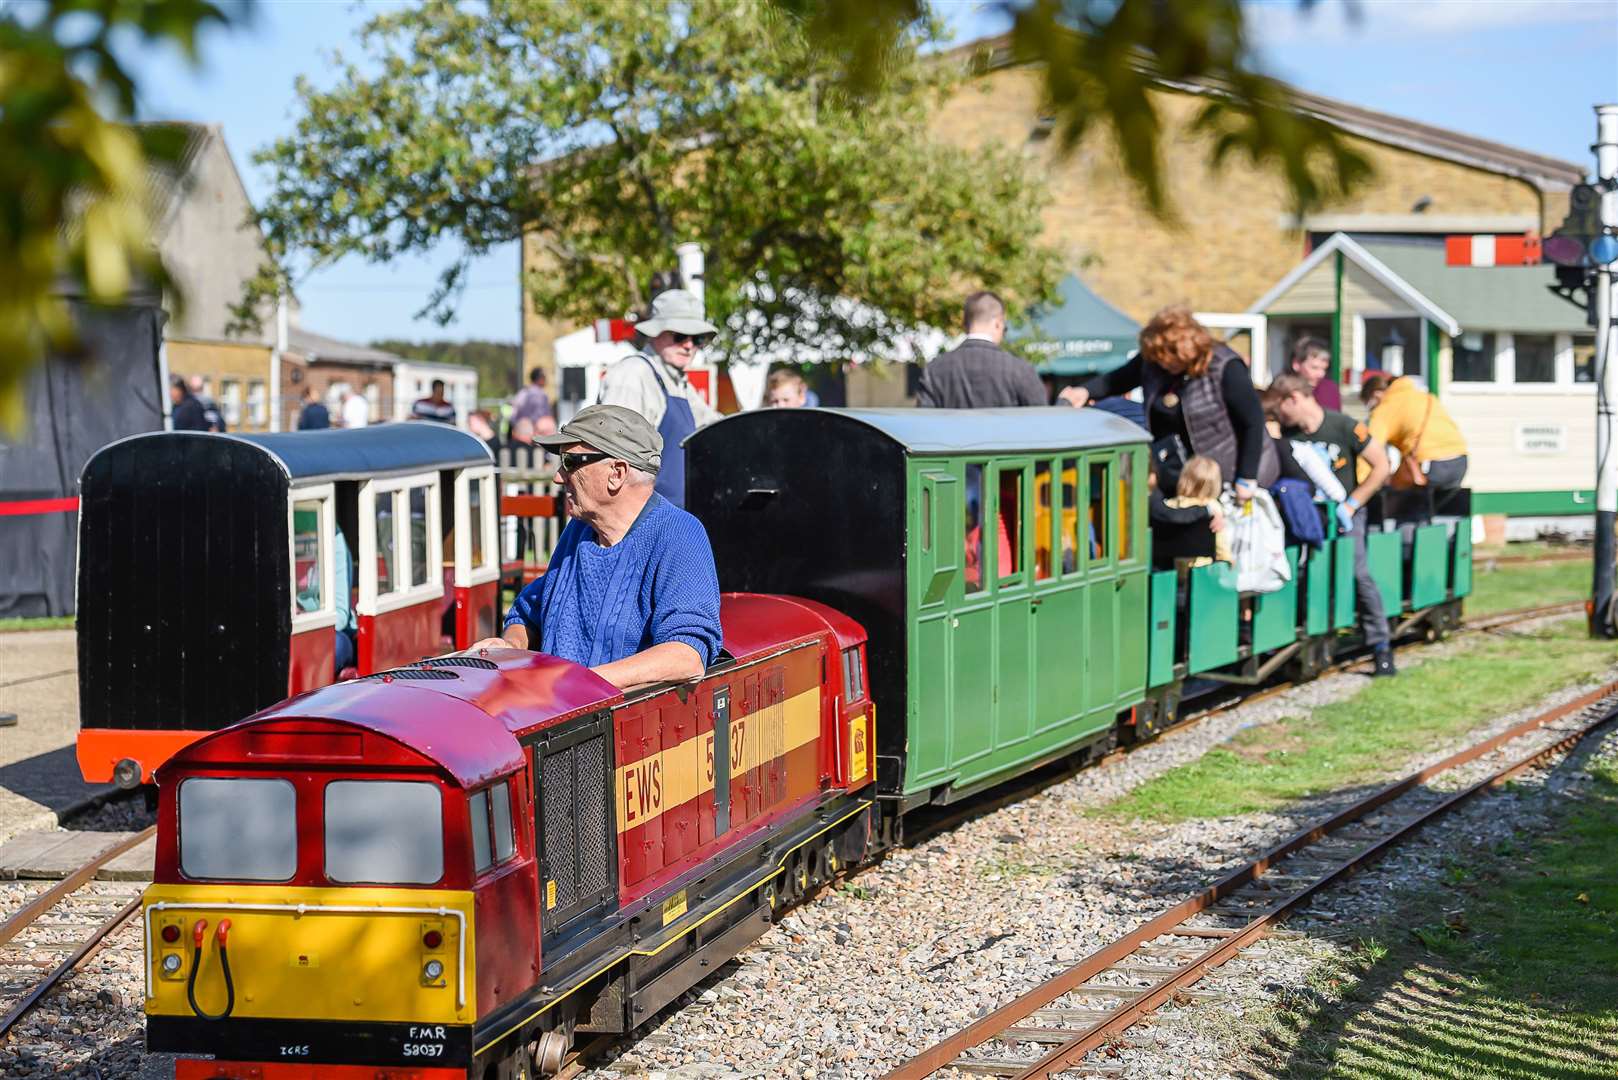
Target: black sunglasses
(701,339)
(573,461)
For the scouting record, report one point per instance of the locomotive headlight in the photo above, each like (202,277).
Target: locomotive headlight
(432,971)
(171,963)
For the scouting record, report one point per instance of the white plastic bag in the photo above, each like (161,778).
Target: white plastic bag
(1258,542)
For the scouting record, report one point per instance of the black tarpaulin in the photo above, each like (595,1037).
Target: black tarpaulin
(73,407)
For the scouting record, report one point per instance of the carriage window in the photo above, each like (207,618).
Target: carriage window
(1070,515)
(853,674)
(384,831)
(238,830)
(477,809)
(1009,548)
(974,528)
(505,844)
(474,518)
(1097,525)
(385,541)
(1126,504)
(308,555)
(1042,521)
(418,536)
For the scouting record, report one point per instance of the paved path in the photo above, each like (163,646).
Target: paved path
(39,776)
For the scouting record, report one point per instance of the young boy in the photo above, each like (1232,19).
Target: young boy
(1344,441)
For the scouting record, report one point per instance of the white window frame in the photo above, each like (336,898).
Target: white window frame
(1257,327)
(326,614)
(467,575)
(1505,370)
(230,401)
(370,603)
(258,401)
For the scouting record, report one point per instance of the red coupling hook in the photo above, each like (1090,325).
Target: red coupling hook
(198,931)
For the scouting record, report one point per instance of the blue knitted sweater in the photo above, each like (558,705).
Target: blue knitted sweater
(598,604)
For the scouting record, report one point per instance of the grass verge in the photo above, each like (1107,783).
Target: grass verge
(1510,970)
(57,622)
(1518,586)
(1361,740)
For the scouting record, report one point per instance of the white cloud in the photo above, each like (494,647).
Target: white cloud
(1330,21)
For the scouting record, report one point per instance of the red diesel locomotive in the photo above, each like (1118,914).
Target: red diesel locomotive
(449,869)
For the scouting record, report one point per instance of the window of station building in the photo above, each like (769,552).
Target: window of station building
(418,537)
(974,528)
(1584,358)
(309,555)
(1096,514)
(1536,358)
(1473,359)
(387,832)
(1009,537)
(1070,515)
(1126,506)
(385,542)
(230,401)
(1043,518)
(853,674)
(258,403)
(238,829)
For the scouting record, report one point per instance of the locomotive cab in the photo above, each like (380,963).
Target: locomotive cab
(319,883)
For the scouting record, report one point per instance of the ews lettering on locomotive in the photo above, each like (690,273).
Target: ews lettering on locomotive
(643,789)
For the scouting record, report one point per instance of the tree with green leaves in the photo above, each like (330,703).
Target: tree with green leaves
(610,132)
(72,171)
(495,361)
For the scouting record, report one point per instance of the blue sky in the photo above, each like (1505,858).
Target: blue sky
(1521,73)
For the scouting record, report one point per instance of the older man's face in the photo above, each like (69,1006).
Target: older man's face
(678,350)
(589,485)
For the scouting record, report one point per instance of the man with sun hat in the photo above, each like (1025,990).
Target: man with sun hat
(652,382)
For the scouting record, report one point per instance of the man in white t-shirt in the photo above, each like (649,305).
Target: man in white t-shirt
(356,410)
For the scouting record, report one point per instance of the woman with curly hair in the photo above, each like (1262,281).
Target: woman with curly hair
(1199,400)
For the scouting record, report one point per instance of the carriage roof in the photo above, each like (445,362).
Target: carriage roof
(938,432)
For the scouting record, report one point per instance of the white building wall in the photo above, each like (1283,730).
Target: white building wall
(1521,439)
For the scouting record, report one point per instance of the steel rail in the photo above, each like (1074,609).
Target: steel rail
(90,946)
(47,899)
(1080,1042)
(1033,784)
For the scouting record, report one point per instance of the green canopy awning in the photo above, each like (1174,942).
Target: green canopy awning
(1081,335)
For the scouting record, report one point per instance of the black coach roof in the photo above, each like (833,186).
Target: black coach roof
(368,451)
(985,431)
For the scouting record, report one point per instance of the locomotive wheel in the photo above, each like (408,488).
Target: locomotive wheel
(549,1052)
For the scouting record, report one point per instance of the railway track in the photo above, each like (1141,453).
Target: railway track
(1051,1028)
(30,940)
(1033,783)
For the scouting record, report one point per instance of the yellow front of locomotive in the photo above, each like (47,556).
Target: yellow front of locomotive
(288,944)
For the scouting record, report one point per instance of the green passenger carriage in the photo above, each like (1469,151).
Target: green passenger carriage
(999,560)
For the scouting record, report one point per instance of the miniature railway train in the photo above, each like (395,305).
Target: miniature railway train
(456,866)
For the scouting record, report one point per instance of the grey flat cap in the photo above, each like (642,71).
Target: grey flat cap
(676,310)
(612,429)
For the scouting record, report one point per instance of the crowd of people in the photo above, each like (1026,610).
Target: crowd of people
(631,589)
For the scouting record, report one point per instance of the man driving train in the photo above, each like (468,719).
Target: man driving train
(631,591)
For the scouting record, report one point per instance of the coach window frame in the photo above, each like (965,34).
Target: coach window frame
(467,573)
(402,595)
(326,614)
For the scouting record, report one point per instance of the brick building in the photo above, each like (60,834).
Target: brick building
(1234,235)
